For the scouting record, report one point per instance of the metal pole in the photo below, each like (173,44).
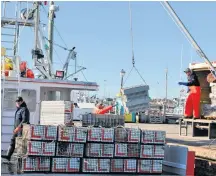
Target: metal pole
(16,35)
(122,81)
(50,32)
(52,94)
(166,82)
(186,32)
(104,89)
(36,25)
(165,103)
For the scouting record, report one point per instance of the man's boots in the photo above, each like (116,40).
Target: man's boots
(188,117)
(9,153)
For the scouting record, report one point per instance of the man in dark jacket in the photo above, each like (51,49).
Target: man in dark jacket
(21,116)
(192,105)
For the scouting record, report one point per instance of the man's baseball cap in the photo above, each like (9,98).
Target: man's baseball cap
(19,99)
(187,70)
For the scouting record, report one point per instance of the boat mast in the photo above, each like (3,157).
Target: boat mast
(50,31)
(41,62)
(36,25)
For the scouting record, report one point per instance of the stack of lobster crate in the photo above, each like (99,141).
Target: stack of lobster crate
(66,149)
(36,147)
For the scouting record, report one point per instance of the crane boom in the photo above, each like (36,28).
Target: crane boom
(189,36)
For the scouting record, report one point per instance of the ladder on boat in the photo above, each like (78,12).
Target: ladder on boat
(10,32)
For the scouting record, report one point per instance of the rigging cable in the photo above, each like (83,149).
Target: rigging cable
(132,48)
(45,11)
(131,31)
(56,44)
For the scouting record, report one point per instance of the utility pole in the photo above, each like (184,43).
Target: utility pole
(104,89)
(166,85)
(50,31)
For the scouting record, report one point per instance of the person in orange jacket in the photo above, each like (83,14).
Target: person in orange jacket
(192,105)
(22,115)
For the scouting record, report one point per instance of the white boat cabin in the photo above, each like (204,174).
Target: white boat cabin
(33,92)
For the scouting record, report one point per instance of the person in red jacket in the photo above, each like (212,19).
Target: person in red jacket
(192,105)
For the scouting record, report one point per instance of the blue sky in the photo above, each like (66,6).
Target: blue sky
(101,33)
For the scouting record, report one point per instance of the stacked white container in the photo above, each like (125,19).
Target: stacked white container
(56,113)
(137,98)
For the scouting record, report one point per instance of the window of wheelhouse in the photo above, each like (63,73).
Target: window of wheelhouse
(29,96)
(8,101)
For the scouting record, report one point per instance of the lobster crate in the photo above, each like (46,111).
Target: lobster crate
(157,166)
(94,134)
(121,150)
(117,165)
(147,136)
(130,165)
(133,150)
(99,150)
(107,134)
(65,165)
(160,137)
(93,149)
(69,149)
(38,148)
(96,165)
(150,166)
(147,151)
(130,135)
(158,151)
(133,135)
(153,137)
(121,135)
(39,132)
(144,166)
(72,134)
(35,164)
(107,150)
(100,135)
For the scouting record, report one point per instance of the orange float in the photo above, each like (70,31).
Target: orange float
(29,73)
(23,66)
